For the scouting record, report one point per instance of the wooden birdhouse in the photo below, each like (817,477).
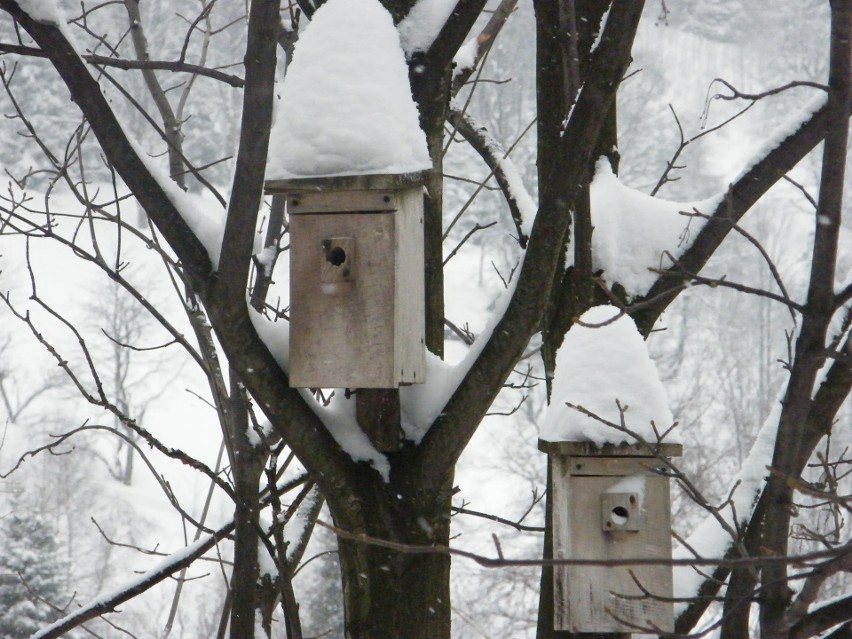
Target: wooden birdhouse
(611,503)
(608,433)
(356,280)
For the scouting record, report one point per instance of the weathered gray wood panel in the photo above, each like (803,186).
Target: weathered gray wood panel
(606,599)
(409,305)
(342,333)
(357,301)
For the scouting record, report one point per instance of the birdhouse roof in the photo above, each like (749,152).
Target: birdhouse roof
(603,363)
(359,182)
(345,104)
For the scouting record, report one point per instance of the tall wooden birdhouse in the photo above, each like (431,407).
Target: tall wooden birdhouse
(608,435)
(356,280)
(611,503)
(348,154)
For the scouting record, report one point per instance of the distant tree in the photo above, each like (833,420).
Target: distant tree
(32,576)
(394,528)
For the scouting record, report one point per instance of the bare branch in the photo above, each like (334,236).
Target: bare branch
(134,587)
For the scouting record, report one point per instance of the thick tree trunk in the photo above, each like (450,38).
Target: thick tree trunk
(394,595)
(392,592)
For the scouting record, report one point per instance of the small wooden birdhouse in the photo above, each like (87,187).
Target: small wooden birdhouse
(356,280)
(611,503)
(608,433)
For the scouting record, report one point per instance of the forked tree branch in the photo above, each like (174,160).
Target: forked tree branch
(450,433)
(810,350)
(247,188)
(741,196)
(267,383)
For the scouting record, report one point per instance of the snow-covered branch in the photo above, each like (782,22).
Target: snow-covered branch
(108,602)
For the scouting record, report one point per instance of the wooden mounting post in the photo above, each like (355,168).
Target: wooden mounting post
(378,414)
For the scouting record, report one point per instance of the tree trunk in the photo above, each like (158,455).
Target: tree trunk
(247,467)
(393,593)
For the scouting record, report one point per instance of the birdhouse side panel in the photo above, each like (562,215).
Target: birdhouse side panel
(409,307)
(605,517)
(341,298)
(562,541)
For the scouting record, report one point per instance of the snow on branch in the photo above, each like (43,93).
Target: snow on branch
(48,12)
(424,22)
(780,152)
(208,227)
(422,404)
(711,539)
(471,54)
(634,232)
(521,204)
(107,603)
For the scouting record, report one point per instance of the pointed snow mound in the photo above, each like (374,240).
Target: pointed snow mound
(634,232)
(597,364)
(346,105)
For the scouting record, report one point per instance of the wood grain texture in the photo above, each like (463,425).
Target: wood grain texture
(409,308)
(341,333)
(356,281)
(592,599)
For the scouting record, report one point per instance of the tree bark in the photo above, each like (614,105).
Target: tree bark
(391,593)
(810,350)
(247,469)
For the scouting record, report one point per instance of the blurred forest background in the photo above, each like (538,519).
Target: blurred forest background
(77,519)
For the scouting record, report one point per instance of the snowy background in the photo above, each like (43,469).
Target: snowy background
(716,351)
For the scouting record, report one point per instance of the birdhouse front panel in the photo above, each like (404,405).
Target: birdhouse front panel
(356,282)
(611,504)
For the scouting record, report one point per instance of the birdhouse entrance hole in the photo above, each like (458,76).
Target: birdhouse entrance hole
(337,263)
(336,256)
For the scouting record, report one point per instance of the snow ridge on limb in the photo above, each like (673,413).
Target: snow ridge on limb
(48,12)
(206,226)
(456,424)
(471,53)
(521,205)
(107,602)
(741,195)
(711,539)
(635,232)
(419,29)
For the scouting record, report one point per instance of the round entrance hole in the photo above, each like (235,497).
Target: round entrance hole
(619,515)
(336,256)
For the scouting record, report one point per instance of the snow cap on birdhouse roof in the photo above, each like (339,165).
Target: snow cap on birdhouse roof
(345,104)
(603,362)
